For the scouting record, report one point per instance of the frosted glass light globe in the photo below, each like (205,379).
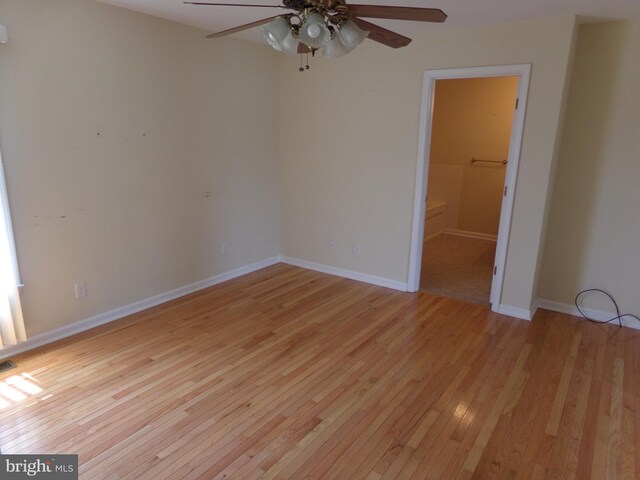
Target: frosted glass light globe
(314,30)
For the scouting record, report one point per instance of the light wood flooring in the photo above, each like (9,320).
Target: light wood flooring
(287,373)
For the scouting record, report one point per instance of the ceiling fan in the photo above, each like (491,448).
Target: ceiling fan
(332,25)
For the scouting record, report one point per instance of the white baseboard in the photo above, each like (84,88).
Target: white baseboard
(340,272)
(520,313)
(597,315)
(118,313)
(464,233)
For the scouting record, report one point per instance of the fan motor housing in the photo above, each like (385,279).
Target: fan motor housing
(301,5)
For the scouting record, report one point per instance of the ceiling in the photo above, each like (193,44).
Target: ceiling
(460,12)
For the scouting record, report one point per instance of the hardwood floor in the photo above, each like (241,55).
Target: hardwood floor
(287,373)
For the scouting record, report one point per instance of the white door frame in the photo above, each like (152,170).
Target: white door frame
(422,169)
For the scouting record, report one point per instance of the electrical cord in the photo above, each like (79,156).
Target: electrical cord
(619,316)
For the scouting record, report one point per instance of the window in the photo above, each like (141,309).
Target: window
(11,322)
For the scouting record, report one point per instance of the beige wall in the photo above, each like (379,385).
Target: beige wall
(472,118)
(593,234)
(133,147)
(349,142)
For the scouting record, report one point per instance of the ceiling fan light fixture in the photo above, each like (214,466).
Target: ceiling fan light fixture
(313,32)
(290,44)
(312,25)
(351,35)
(334,48)
(276,32)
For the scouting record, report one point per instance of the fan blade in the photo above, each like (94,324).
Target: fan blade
(233,5)
(241,28)
(382,35)
(302,48)
(398,13)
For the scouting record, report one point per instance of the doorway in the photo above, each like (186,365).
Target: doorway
(471,130)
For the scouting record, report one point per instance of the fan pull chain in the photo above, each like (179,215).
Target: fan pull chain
(304,67)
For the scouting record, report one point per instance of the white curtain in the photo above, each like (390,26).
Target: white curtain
(11,322)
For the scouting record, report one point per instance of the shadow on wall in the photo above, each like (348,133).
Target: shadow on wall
(580,164)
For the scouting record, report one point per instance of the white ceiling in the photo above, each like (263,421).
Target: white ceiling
(460,12)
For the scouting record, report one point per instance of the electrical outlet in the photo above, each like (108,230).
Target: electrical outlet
(80,289)
(225,249)
(356,249)
(332,244)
